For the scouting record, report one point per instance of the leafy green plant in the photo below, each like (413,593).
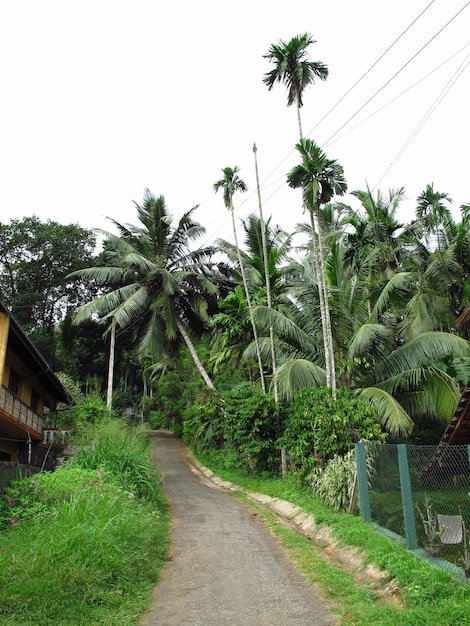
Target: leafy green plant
(35,496)
(317,427)
(334,484)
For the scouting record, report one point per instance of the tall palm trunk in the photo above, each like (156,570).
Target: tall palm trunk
(109,394)
(270,306)
(323,295)
(324,306)
(194,355)
(248,300)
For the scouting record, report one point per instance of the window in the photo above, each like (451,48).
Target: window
(14,384)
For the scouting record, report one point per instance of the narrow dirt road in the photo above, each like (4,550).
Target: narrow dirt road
(226,568)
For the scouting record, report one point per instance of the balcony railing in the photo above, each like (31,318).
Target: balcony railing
(12,406)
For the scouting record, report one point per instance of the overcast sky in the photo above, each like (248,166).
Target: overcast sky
(104,98)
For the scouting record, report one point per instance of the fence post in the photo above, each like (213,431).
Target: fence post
(407,498)
(362,481)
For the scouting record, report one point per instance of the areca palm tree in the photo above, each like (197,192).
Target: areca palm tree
(230,183)
(293,68)
(320,179)
(432,213)
(155,285)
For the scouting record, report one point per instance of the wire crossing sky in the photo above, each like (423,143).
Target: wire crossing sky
(104,99)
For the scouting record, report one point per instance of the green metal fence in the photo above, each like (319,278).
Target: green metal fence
(422,494)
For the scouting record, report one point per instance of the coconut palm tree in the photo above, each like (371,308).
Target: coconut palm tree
(155,285)
(293,68)
(320,179)
(403,376)
(376,237)
(230,183)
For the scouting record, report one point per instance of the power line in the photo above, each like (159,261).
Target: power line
(346,94)
(248,198)
(427,115)
(370,68)
(398,72)
(401,94)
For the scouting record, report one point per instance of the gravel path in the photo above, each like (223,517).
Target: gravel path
(226,568)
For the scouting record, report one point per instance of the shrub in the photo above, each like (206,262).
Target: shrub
(334,483)
(318,427)
(39,494)
(90,557)
(250,428)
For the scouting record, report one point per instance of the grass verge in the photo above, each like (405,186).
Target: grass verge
(78,547)
(428,595)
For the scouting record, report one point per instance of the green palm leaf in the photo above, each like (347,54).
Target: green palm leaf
(394,417)
(297,374)
(424,350)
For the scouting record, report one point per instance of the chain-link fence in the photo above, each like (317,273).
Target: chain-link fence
(421,493)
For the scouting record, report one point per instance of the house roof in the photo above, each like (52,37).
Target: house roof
(25,349)
(458,429)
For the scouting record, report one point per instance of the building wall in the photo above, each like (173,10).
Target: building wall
(28,382)
(4,326)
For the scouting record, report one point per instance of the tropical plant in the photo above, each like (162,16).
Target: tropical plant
(317,427)
(334,483)
(294,69)
(155,284)
(375,239)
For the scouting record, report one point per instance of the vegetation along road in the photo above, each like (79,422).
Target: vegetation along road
(225,567)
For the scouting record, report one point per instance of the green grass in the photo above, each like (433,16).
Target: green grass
(428,596)
(83,549)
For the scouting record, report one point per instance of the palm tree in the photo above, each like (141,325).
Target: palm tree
(294,69)
(320,179)
(432,213)
(377,237)
(156,285)
(403,376)
(230,183)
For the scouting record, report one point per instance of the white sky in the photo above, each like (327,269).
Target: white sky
(103,98)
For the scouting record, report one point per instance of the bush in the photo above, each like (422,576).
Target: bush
(251,429)
(203,422)
(318,427)
(334,483)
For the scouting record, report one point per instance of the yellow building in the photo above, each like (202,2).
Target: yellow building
(28,386)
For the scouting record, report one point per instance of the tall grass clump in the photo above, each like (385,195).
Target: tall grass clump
(83,546)
(124,451)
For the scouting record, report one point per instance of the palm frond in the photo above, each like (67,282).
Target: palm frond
(393,416)
(297,374)
(367,338)
(421,351)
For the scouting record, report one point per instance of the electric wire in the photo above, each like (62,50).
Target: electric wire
(397,72)
(330,140)
(371,67)
(437,68)
(427,115)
